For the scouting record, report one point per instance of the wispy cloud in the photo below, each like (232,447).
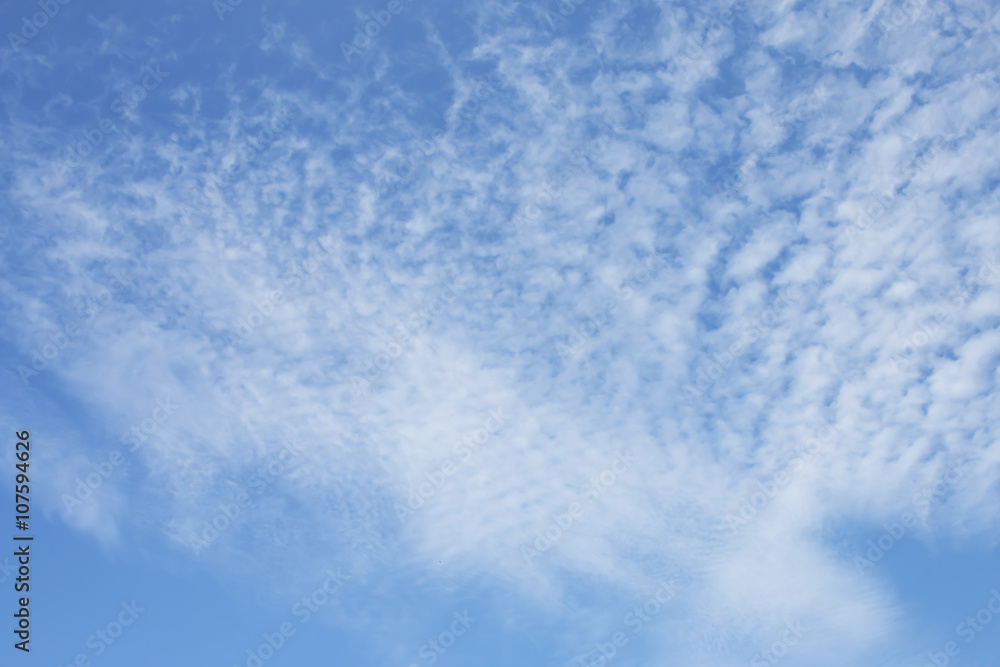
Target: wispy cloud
(627,230)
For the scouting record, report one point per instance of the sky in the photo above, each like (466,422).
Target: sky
(568,334)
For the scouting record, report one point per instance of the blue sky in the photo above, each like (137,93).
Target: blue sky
(552,334)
